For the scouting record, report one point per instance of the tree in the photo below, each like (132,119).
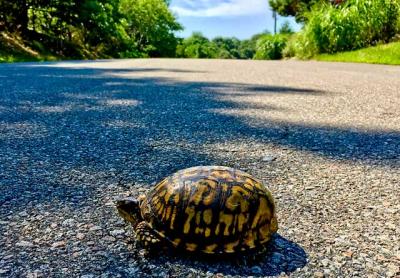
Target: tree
(286,28)
(228,48)
(14,15)
(270,47)
(293,7)
(197,46)
(93,28)
(151,25)
(247,49)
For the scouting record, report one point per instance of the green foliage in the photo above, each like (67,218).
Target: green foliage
(93,28)
(291,46)
(356,24)
(198,46)
(293,7)
(247,49)
(286,28)
(151,25)
(382,54)
(270,47)
(13,50)
(228,48)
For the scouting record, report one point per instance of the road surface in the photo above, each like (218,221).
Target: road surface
(74,136)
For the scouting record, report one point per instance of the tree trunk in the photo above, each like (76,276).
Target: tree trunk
(22,17)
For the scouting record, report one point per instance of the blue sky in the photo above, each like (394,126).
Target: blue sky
(229,18)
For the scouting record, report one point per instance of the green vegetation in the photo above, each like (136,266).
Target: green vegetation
(12,49)
(357,24)
(89,28)
(295,8)
(259,46)
(198,46)
(270,47)
(36,30)
(382,54)
(148,27)
(352,25)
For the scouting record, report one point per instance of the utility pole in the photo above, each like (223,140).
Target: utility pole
(274,15)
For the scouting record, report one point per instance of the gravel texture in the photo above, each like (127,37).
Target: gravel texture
(74,136)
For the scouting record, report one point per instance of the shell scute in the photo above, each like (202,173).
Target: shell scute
(211,209)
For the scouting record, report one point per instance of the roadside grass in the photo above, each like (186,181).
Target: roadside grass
(388,54)
(13,49)
(13,56)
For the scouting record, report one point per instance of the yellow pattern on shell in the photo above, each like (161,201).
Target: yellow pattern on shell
(229,247)
(210,248)
(198,230)
(167,213)
(190,211)
(217,230)
(198,217)
(227,220)
(241,221)
(225,209)
(176,199)
(191,246)
(176,241)
(210,197)
(197,196)
(207,216)
(262,214)
(173,216)
(249,240)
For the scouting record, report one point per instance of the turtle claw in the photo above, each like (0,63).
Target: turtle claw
(146,237)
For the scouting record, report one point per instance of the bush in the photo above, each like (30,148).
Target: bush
(270,47)
(199,46)
(291,47)
(196,46)
(356,24)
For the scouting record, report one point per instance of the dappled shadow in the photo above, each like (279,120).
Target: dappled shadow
(145,128)
(260,90)
(70,136)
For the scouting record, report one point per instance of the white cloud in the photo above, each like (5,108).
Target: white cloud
(211,8)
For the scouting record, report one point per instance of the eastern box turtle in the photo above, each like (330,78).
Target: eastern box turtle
(206,209)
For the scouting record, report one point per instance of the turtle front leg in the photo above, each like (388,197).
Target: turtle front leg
(147,237)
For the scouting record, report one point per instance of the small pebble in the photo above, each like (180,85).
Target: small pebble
(80,236)
(24,243)
(268,158)
(58,244)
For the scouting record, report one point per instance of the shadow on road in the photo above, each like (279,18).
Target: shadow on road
(283,256)
(55,120)
(67,132)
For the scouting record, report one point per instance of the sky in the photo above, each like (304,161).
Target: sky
(228,18)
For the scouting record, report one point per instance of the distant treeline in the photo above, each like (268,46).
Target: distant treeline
(198,46)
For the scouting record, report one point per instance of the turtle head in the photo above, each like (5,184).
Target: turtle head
(129,209)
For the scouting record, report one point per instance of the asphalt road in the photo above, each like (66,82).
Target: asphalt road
(74,136)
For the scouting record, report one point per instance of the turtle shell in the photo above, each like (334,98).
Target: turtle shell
(211,209)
